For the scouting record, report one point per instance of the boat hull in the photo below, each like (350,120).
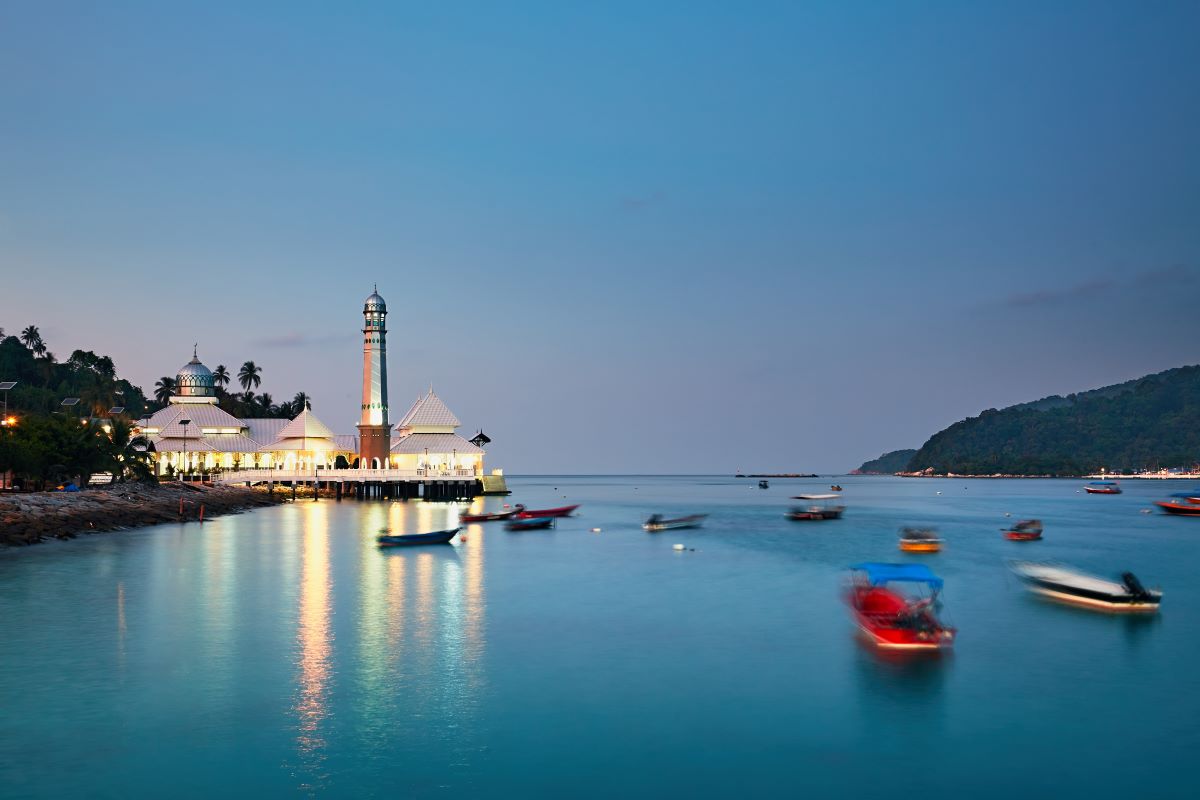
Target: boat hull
(876,611)
(487,517)
(562,511)
(534,524)
(1092,490)
(1086,591)
(815,514)
(920,547)
(1022,536)
(683,523)
(1180,509)
(413,539)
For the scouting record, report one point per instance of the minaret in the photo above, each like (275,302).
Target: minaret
(374,431)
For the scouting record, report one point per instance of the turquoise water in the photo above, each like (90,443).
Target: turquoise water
(279,653)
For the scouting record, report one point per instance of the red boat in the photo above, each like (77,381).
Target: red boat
(1027,530)
(1102,487)
(563,511)
(1187,505)
(891,619)
(499,515)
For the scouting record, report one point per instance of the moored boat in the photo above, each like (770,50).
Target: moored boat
(895,620)
(920,540)
(1102,487)
(529,523)
(818,511)
(409,539)
(561,511)
(835,488)
(1027,530)
(764,485)
(656,523)
(499,515)
(1182,503)
(1078,588)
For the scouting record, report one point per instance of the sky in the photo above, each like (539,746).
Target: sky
(632,237)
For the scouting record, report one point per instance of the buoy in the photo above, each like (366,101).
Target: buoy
(595,530)
(1008,513)
(939,492)
(679,547)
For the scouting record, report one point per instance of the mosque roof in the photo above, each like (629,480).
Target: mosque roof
(264,430)
(429,410)
(201,416)
(416,443)
(305,426)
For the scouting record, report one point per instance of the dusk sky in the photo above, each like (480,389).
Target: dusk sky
(619,237)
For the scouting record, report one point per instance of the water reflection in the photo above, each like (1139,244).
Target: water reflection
(315,644)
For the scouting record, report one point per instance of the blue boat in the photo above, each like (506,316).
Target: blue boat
(531,524)
(410,539)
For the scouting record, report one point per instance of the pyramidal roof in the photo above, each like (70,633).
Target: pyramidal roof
(429,410)
(305,426)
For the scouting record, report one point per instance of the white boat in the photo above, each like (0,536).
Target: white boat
(1078,588)
(656,523)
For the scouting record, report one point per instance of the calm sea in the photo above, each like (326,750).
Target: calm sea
(279,653)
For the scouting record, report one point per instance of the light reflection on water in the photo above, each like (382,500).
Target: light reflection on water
(315,644)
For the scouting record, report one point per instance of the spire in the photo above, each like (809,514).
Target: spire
(194,346)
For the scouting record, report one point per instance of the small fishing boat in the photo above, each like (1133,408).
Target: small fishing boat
(409,539)
(835,488)
(1102,487)
(1182,503)
(562,511)
(656,523)
(920,540)
(499,515)
(529,523)
(1027,530)
(816,512)
(764,485)
(1078,588)
(896,620)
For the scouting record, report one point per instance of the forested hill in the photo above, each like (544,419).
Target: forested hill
(887,464)
(1149,423)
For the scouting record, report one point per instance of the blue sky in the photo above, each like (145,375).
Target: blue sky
(642,237)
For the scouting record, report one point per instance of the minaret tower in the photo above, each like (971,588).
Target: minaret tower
(374,431)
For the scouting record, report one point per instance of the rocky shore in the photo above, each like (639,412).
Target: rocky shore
(31,518)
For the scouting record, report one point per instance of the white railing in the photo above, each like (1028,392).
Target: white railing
(342,475)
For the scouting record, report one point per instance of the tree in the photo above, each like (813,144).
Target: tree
(250,375)
(32,338)
(163,389)
(221,376)
(126,452)
(266,402)
(301,402)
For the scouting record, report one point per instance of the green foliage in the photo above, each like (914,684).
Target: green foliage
(888,463)
(1150,423)
(43,383)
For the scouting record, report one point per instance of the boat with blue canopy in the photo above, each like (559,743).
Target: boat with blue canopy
(894,619)
(1186,504)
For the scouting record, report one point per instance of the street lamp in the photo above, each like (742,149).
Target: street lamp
(184,422)
(4,387)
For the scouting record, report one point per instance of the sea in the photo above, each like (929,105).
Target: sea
(280,653)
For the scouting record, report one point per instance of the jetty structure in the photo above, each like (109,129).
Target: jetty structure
(422,457)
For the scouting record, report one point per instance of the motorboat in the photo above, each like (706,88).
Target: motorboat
(1078,588)
(499,515)
(1102,487)
(530,523)
(561,511)
(1027,530)
(656,523)
(1182,503)
(764,485)
(894,619)
(835,488)
(818,510)
(409,539)
(920,540)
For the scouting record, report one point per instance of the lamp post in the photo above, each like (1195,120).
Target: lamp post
(4,387)
(184,422)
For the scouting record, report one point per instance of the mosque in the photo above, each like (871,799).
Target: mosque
(192,433)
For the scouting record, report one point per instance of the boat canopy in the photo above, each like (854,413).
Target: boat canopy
(1103,483)
(879,574)
(1187,495)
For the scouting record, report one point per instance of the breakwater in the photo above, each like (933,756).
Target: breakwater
(32,518)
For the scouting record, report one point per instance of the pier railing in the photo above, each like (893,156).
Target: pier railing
(345,475)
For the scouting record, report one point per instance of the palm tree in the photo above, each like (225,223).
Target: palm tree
(267,403)
(221,376)
(249,374)
(126,452)
(301,402)
(163,389)
(32,338)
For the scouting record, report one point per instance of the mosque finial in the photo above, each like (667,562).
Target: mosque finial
(194,346)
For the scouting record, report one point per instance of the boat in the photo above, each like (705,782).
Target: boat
(1078,588)
(764,485)
(1182,503)
(529,523)
(499,515)
(895,620)
(656,523)
(920,540)
(561,511)
(817,511)
(1027,530)
(409,539)
(1102,487)
(835,488)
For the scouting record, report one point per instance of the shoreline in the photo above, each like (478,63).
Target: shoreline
(27,519)
(1038,477)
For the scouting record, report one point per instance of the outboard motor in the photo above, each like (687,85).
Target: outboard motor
(1134,585)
